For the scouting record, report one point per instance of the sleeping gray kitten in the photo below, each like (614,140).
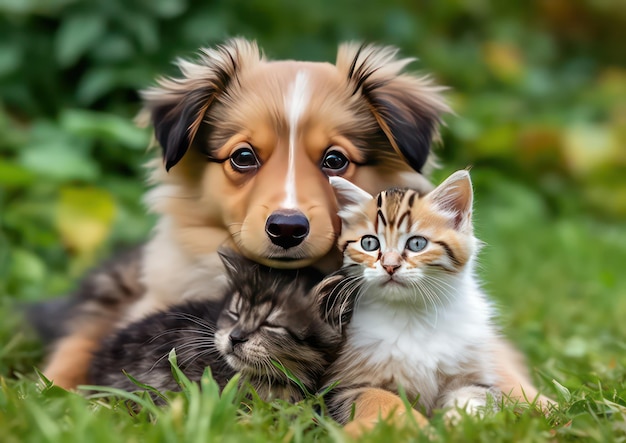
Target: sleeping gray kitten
(265,315)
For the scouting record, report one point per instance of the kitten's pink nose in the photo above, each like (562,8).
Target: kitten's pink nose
(391,268)
(391,261)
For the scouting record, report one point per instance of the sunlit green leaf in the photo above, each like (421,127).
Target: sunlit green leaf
(563,392)
(84,217)
(26,266)
(588,147)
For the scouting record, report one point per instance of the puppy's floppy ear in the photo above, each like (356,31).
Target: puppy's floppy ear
(408,109)
(177,106)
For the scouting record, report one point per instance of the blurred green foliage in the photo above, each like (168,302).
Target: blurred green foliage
(539,88)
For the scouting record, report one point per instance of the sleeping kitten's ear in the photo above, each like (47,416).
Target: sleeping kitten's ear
(233,262)
(349,196)
(454,199)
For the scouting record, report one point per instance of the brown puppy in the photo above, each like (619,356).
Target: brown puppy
(247,147)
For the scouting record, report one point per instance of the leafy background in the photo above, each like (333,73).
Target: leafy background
(539,89)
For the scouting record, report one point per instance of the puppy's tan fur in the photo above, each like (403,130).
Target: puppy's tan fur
(291,114)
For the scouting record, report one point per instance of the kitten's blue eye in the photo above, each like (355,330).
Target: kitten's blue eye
(369,243)
(416,243)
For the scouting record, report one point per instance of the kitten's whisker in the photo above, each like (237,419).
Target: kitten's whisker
(352,293)
(208,349)
(159,360)
(341,294)
(428,299)
(200,332)
(197,345)
(446,290)
(192,318)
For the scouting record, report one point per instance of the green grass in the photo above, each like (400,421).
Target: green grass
(555,271)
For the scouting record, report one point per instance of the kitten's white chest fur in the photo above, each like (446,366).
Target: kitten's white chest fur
(420,348)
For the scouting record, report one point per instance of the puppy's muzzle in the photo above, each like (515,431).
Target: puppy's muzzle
(287,228)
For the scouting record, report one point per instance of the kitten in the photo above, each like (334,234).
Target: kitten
(266,314)
(419,319)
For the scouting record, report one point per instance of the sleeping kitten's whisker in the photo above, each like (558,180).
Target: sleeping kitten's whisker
(205,350)
(181,355)
(280,375)
(192,318)
(201,332)
(196,346)
(159,360)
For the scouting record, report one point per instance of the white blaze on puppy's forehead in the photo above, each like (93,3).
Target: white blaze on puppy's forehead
(296,101)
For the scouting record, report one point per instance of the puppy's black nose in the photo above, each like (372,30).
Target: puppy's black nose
(287,228)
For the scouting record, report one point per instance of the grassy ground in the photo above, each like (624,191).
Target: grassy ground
(555,271)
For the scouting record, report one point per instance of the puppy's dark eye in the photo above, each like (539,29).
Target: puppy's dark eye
(369,243)
(244,159)
(334,162)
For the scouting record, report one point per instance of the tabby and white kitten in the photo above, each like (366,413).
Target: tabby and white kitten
(266,314)
(419,319)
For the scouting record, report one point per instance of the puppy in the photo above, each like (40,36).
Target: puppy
(247,147)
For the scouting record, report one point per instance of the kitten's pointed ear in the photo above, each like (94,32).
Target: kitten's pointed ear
(454,198)
(348,195)
(233,262)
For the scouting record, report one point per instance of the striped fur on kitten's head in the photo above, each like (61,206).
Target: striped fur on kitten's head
(400,238)
(271,315)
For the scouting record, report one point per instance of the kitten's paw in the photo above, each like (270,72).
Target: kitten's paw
(475,400)
(363,425)
(375,405)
